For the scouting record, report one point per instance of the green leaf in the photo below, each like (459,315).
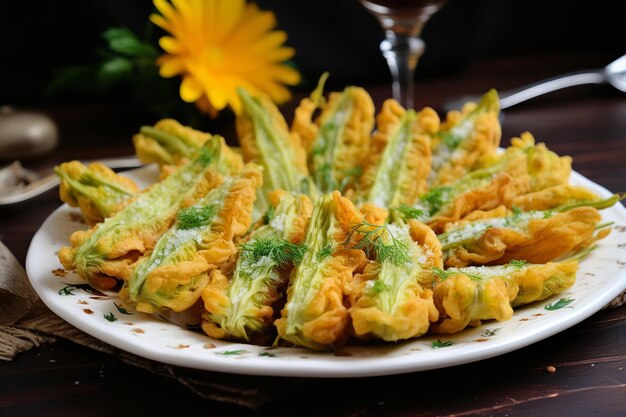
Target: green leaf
(562,303)
(114,70)
(124,41)
(75,78)
(267,354)
(110,317)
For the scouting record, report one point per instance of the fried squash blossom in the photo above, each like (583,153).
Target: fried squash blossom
(349,226)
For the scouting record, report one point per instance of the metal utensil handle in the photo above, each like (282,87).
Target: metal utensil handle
(512,97)
(118,163)
(46,183)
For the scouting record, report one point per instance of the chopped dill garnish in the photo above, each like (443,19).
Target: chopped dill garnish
(232,352)
(269,214)
(517,263)
(438,344)
(205,156)
(193,216)
(297,252)
(317,150)
(490,333)
(122,309)
(397,253)
(515,217)
(323,178)
(350,175)
(373,242)
(329,127)
(436,198)
(378,286)
(473,277)
(67,290)
(325,252)
(562,303)
(408,212)
(278,250)
(451,140)
(442,274)
(110,317)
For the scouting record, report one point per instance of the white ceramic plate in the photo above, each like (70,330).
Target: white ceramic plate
(602,276)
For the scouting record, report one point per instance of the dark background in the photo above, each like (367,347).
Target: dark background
(39,36)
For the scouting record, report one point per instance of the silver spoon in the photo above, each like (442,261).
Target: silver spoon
(613,74)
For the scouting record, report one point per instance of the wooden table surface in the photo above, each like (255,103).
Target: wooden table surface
(588,123)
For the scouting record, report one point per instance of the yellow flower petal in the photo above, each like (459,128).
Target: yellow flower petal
(190,89)
(170,45)
(170,66)
(160,22)
(218,94)
(280,54)
(217,46)
(285,74)
(271,40)
(165,9)
(253,25)
(275,91)
(228,15)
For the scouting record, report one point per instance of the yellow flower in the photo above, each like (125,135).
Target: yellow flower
(217,46)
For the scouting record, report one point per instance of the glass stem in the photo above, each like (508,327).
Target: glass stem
(402,51)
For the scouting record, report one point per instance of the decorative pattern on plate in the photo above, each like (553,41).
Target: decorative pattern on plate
(601,278)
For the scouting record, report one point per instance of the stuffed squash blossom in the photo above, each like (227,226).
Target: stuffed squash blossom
(392,298)
(397,168)
(342,139)
(467,296)
(170,143)
(104,254)
(241,305)
(466,137)
(535,236)
(177,269)
(265,140)
(95,189)
(315,315)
